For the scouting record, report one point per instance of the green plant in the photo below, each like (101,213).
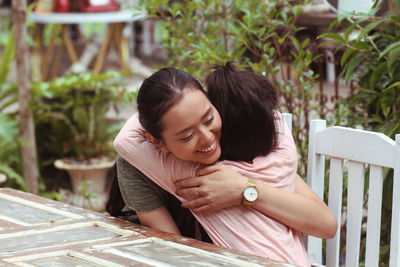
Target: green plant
(88,195)
(5,29)
(10,159)
(257,35)
(70,114)
(371,61)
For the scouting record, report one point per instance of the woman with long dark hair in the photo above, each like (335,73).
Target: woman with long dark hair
(185,131)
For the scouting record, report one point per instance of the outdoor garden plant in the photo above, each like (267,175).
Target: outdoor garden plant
(10,159)
(75,106)
(73,130)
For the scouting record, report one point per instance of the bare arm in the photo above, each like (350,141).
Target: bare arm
(302,210)
(220,187)
(145,197)
(159,219)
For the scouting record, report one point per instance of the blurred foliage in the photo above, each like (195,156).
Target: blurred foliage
(256,35)
(70,114)
(5,29)
(372,61)
(71,121)
(10,157)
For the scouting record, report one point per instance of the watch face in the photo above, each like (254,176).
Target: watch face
(250,193)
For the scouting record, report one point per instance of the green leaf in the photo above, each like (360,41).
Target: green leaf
(305,43)
(376,74)
(295,42)
(396,84)
(370,27)
(385,103)
(7,58)
(333,24)
(9,128)
(359,44)
(353,63)
(395,19)
(330,42)
(346,55)
(283,15)
(393,57)
(333,36)
(389,48)
(344,16)
(352,26)
(13,175)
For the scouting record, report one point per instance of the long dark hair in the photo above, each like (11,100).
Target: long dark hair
(246,103)
(158,93)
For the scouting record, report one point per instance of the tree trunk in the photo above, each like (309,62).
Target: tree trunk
(27,128)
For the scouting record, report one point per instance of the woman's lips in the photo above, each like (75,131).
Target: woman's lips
(210,149)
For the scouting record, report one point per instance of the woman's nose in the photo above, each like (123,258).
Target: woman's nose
(206,135)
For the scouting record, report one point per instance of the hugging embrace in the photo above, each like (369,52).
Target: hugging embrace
(227,155)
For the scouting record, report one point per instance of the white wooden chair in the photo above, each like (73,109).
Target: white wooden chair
(358,149)
(288,118)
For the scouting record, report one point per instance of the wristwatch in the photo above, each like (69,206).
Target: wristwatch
(250,193)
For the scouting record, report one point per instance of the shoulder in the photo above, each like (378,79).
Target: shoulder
(286,146)
(131,129)
(139,192)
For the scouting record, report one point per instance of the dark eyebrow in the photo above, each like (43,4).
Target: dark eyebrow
(202,118)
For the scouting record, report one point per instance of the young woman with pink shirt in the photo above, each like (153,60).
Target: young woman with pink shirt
(185,131)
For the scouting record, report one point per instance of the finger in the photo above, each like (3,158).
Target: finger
(189,193)
(207,170)
(188,182)
(195,203)
(204,208)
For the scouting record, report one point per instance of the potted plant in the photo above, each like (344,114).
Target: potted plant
(72,110)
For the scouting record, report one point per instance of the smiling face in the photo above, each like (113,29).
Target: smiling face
(192,128)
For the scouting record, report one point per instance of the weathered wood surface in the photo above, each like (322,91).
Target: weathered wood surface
(35,231)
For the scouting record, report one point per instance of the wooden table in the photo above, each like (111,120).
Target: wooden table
(114,20)
(36,231)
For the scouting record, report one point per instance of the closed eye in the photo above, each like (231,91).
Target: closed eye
(187,138)
(208,122)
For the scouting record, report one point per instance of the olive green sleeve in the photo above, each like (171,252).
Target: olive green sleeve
(139,192)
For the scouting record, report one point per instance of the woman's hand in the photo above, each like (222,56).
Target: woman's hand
(215,187)
(219,187)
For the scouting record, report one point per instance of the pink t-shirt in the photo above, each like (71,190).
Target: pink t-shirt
(235,227)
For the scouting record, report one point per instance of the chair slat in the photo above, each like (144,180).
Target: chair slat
(288,118)
(335,204)
(316,164)
(315,170)
(355,195)
(374,216)
(395,229)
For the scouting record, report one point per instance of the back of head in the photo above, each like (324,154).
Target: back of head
(246,103)
(158,93)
